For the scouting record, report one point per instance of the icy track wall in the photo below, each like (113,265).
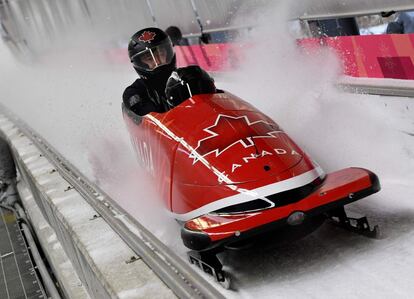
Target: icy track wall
(88,258)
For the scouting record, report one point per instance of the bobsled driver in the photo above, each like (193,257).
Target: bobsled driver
(161,86)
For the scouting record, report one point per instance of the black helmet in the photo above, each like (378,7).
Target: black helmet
(151,53)
(175,34)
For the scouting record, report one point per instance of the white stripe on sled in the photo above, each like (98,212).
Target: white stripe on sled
(250,195)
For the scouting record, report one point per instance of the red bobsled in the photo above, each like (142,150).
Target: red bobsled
(230,174)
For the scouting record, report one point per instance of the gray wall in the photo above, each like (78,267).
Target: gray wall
(31,26)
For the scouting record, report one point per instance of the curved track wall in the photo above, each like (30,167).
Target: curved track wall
(113,255)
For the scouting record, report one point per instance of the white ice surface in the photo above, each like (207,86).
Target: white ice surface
(74,102)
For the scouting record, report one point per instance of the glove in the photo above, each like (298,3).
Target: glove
(186,82)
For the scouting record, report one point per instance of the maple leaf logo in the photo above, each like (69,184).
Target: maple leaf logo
(147,36)
(228,131)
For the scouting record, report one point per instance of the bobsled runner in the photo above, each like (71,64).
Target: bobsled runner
(232,177)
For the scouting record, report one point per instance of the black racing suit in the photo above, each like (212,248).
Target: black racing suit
(142,97)
(145,96)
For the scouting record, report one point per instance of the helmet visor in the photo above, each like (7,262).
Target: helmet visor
(153,57)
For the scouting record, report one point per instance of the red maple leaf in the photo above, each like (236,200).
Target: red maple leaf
(147,36)
(230,130)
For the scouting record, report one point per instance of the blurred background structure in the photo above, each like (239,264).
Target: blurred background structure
(30,27)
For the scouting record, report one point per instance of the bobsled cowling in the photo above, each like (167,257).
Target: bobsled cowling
(226,170)
(204,148)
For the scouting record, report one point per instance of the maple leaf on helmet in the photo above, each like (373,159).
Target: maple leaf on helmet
(147,36)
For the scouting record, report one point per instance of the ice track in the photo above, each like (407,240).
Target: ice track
(76,107)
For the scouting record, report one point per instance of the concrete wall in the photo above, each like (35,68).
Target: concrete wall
(101,259)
